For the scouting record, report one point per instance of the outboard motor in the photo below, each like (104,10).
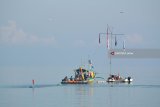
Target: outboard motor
(129,79)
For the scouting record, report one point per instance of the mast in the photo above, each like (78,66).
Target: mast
(109,44)
(110,63)
(110,36)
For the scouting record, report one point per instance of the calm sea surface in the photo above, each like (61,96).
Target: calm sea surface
(88,95)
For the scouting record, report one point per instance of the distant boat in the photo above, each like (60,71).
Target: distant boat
(82,76)
(117,78)
(114,78)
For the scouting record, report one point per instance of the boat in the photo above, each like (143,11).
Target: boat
(119,79)
(82,76)
(113,78)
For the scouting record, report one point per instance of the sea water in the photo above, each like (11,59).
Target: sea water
(87,95)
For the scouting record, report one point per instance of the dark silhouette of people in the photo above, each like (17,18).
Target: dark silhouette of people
(71,79)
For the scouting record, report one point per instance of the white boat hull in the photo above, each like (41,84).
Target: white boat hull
(121,80)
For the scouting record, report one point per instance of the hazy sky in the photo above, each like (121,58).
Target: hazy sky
(51,37)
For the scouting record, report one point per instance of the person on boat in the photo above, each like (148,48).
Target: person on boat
(89,74)
(76,79)
(65,78)
(85,76)
(81,78)
(71,79)
(92,75)
(129,79)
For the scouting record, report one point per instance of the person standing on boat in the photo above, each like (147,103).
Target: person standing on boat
(71,79)
(85,76)
(65,78)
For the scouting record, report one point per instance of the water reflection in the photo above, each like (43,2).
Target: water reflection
(93,95)
(84,90)
(84,94)
(80,95)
